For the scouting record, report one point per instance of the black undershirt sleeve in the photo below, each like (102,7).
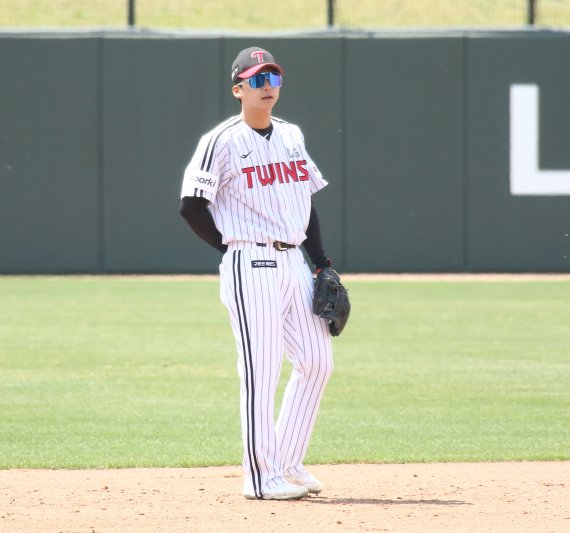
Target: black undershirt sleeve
(196,213)
(313,243)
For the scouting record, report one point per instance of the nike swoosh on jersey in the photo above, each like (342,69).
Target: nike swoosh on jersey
(244,156)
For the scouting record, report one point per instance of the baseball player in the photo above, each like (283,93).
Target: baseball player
(247,192)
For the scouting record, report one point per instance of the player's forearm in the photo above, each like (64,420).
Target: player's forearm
(313,243)
(196,213)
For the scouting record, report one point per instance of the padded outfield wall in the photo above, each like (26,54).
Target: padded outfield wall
(445,152)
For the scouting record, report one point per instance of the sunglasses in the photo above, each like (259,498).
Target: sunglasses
(258,80)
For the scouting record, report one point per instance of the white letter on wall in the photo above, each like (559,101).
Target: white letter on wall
(526,177)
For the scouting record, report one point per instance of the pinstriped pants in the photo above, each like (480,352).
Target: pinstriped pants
(268,294)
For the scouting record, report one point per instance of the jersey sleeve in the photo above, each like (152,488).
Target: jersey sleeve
(202,177)
(316,178)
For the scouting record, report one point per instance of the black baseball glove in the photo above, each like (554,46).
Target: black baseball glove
(330,300)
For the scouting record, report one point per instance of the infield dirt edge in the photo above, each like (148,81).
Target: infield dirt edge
(509,496)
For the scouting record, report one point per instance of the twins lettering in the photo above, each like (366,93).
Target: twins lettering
(294,171)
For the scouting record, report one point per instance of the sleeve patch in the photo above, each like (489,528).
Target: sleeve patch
(197,180)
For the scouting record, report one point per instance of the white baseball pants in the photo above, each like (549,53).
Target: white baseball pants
(268,294)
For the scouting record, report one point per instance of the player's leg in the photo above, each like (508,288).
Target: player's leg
(308,346)
(251,294)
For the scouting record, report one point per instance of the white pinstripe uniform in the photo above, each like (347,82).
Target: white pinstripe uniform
(260,192)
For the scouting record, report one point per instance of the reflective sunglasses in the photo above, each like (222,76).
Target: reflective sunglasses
(258,80)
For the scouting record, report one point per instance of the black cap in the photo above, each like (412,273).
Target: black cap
(250,61)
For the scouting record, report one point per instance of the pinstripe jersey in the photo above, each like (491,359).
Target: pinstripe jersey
(259,189)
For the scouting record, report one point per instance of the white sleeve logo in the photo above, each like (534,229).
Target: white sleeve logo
(198,179)
(526,176)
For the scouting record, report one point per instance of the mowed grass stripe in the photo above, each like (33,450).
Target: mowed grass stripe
(118,372)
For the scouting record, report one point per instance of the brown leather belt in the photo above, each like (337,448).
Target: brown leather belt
(278,245)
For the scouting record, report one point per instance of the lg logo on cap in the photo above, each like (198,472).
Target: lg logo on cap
(258,55)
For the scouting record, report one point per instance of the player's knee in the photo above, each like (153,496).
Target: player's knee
(319,368)
(329,369)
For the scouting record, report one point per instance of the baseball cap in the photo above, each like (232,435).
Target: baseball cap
(250,61)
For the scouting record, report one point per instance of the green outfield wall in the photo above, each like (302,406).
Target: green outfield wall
(445,152)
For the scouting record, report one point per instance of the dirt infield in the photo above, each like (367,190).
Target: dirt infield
(497,497)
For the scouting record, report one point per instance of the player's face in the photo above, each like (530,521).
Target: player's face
(262,98)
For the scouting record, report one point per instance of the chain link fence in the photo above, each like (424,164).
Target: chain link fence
(229,15)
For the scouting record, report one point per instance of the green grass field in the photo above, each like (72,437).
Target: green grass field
(294,14)
(118,372)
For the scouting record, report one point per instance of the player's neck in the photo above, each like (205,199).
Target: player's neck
(255,118)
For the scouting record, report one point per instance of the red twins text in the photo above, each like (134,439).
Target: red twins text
(294,171)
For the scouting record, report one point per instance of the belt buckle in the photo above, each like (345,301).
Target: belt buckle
(280,246)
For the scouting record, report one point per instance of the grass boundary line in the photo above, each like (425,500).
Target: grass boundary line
(371,276)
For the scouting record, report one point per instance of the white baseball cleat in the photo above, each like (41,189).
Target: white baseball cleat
(285,491)
(304,479)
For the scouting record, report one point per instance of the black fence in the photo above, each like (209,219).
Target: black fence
(297,15)
(331,12)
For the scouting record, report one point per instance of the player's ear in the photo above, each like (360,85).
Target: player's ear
(236,91)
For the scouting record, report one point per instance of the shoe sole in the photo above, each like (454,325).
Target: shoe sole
(292,497)
(277,496)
